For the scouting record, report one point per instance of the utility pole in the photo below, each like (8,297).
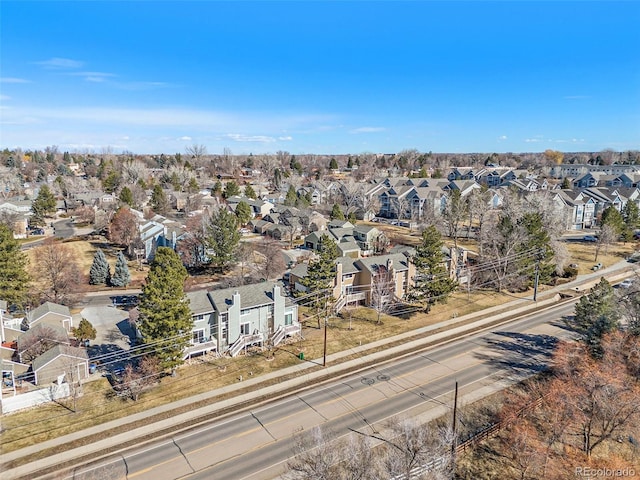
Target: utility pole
(535,283)
(454,443)
(326,322)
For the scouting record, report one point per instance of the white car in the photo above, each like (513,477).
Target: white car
(628,283)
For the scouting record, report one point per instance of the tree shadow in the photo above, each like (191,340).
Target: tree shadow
(519,353)
(126,329)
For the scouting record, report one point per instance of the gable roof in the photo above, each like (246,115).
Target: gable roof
(51,332)
(250,295)
(49,307)
(57,351)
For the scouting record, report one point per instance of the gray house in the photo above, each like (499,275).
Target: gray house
(231,319)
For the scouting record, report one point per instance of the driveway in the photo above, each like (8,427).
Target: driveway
(114,334)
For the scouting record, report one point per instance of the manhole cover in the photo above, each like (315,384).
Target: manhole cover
(384,378)
(368,381)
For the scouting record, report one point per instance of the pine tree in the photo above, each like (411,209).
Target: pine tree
(336,213)
(292,197)
(14,280)
(159,202)
(99,272)
(126,196)
(249,192)
(43,205)
(231,189)
(597,314)
(121,276)
(333,164)
(165,320)
(222,237)
(320,277)
(612,217)
(84,331)
(432,282)
(243,212)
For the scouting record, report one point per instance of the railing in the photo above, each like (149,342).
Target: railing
(340,303)
(200,347)
(243,341)
(278,336)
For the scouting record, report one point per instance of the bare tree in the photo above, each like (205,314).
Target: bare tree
(123,229)
(382,291)
(607,236)
(273,264)
(196,151)
(59,273)
(40,339)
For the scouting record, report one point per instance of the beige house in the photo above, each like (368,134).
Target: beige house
(51,314)
(61,363)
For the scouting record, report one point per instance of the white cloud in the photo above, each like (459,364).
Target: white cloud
(96,77)
(126,137)
(285,139)
(502,137)
(367,130)
(5,97)
(185,138)
(58,62)
(249,138)
(13,80)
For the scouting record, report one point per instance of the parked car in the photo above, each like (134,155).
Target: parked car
(596,267)
(626,283)
(573,265)
(37,231)
(589,238)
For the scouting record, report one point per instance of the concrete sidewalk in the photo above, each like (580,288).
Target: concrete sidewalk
(308,373)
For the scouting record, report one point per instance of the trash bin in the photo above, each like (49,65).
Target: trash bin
(92,368)
(301,355)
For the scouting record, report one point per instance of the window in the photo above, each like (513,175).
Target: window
(245,311)
(198,336)
(245,328)
(288,318)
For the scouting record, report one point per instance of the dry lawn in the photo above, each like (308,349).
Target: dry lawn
(83,251)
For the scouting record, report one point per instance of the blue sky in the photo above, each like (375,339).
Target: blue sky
(320,77)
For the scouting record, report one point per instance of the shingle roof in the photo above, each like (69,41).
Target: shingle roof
(199,302)
(49,307)
(51,332)
(56,351)
(250,295)
(400,261)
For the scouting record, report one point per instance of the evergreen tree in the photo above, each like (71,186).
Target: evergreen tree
(231,189)
(222,237)
(193,186)
(99,272)
(43,205)
(126,196)
(159,202)
(216,191)
(320,278)
(249,192)
(350,163)
(14,280)
(165,320)
(277,179)
(432,282)
(292,197)
(597,314)
(612,217)
(336,213)
(84,331)
(121,275)
(537,241)
(243,212)
(333,164)
(566,184)
(631,218)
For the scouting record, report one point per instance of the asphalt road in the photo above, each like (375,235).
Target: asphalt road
(256,444)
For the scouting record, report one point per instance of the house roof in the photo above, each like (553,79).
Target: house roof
(348,265)
(49,307)
(400,262)
(350,246)
(250,295)
(199,302)
(52,332)
(55,352)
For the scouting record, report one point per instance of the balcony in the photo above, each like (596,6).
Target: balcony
(200,347)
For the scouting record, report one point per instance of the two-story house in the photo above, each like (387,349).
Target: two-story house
(231,319)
